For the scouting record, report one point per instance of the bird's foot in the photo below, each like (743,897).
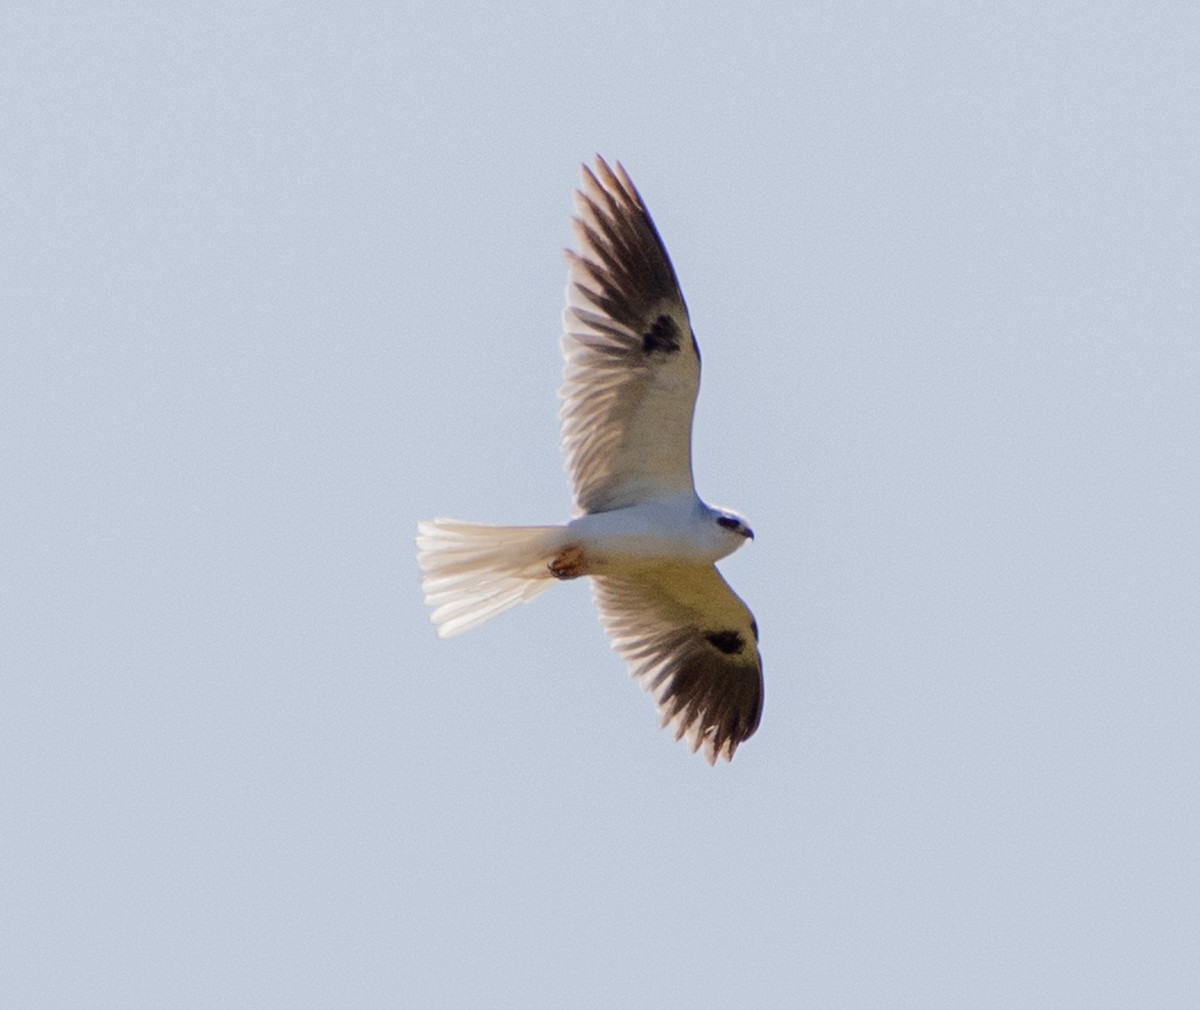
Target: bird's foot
(568,563)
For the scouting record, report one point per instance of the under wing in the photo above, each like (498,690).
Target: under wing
(692,644)
(632,367)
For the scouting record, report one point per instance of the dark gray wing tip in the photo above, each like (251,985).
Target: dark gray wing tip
(620,250)
(714,694)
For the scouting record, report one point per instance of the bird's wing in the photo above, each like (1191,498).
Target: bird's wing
(693,645)
(632,366)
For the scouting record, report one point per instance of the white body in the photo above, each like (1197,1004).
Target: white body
(679,529)
(473,572)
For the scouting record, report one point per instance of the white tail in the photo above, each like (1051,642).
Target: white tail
(472,572)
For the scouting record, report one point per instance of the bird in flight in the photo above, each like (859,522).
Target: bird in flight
(640,532)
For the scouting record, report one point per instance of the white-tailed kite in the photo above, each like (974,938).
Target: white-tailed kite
(640,530)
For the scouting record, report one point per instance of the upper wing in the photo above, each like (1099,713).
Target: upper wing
(632,366)
(693,645)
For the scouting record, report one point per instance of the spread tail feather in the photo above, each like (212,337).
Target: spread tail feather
(472,572)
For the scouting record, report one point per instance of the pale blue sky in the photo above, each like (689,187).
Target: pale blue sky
(276,281)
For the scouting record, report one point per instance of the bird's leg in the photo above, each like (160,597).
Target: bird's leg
(569,563)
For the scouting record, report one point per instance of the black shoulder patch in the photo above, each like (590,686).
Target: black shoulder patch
(727,642)
(663,335)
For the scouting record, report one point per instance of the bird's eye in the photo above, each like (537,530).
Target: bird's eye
(730,523)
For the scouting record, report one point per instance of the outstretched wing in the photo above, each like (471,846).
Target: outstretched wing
(632,366)
(693,645)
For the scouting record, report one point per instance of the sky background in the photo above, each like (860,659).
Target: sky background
(277,281)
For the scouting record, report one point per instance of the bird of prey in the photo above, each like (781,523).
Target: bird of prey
(640,531)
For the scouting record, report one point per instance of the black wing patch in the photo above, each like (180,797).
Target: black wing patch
(663,335)
(728,642)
